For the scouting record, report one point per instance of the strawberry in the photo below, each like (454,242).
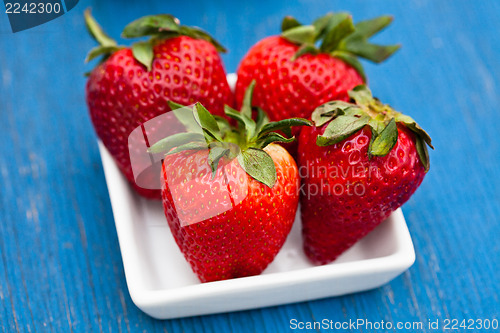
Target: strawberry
(294,76)
(132,85)
(230,195)
(361,162)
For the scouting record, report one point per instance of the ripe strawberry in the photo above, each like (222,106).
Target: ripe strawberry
(132,85)
(230,196)
(294,76)
(361,162)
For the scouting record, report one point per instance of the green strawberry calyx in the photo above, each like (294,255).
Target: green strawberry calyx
(345,119)
(337,35)
(244,141)
(158,27)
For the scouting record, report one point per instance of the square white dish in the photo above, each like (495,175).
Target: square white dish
(162,284)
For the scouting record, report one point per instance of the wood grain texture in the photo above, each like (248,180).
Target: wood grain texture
(60,265)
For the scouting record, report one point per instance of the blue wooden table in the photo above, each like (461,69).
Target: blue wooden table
(60,264)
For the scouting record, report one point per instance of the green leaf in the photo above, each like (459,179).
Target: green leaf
(283,125)
(326,112)
(207,121)
(289,22)
(361,94)
(304,34)
(96,31)
(386,140)
(423,153)
(186,117)
(246,108)
(413,126)
(150,25)
(341,128)
(377,126)
(350,60)
(359,46)
(262,119)
(339,27)
(188,146)
(273,137)
(247,124)
(214,156)
(175,140)
(143,52)
(305,49)
(174,106)
(357,43)
(259,165)
(375,133)
(354,111)
(101,50)
(370,27)
(321,24)
(321,119)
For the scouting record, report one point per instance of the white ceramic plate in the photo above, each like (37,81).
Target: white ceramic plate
(162,284)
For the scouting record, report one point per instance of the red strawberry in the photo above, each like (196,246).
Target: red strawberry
(361,162)
(133,85)
(230,197)
(294,76)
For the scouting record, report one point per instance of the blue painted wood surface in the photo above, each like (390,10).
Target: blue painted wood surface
(60,264)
